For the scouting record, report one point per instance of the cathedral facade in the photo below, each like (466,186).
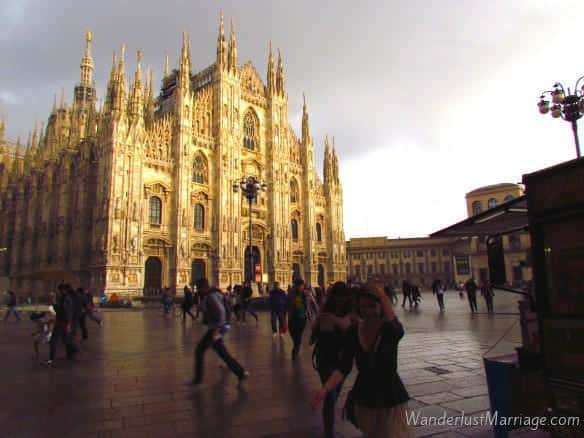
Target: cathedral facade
(137,194)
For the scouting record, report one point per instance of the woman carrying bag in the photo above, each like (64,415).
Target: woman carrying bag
(377,402)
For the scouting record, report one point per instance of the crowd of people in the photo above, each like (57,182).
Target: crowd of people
(63,320)
(349,324)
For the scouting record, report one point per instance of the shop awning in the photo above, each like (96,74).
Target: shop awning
(508,217)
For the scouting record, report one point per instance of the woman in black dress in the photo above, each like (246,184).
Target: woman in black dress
(378,400)
(328,332)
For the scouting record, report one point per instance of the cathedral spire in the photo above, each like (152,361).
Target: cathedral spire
(119,100)
(184,78)
(305,124)
(232,57)
(327,160)
(280,82)
(136,107)
(221,53)
(166,65)
(270,79)
(87,62)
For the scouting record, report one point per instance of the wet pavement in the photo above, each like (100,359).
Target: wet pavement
(130,378)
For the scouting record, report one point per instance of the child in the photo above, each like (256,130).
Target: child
(45,322)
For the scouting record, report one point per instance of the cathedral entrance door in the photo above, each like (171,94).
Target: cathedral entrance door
(320,275)
(198,270)
(153,275)
(254,260)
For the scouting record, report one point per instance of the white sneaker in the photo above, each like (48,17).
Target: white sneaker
(274,335)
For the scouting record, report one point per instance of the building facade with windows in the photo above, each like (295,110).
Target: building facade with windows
(516,246)
(136,195)
(417,260)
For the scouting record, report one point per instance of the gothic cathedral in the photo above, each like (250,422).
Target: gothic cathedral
(137,194)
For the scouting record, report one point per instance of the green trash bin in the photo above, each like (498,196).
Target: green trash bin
(498,371)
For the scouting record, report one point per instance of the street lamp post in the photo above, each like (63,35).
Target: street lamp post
(569,107)
(250,188)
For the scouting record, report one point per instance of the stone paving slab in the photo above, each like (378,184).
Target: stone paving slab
(130,379)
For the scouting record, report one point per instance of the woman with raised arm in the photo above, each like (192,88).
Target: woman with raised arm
(378,400)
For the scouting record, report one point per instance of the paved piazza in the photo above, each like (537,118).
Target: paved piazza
(130,379)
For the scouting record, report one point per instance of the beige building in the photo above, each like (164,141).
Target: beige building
(418,260)
(137,194)
(516,246)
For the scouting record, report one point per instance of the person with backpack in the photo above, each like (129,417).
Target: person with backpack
(328,331)
(297,315)
(216,314)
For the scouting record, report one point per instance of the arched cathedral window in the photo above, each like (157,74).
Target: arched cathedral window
(293,192)
(200,170)
(318,232)
(251,131)
(294,226)
(199,217)
(155,210)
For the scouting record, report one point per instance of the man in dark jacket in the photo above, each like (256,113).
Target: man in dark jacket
(407,293)
(65,314)
(297,315)
(471,293)
(278,301)
(187,303)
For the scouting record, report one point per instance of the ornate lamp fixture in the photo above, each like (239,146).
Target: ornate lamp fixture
(250,188)
(568,106)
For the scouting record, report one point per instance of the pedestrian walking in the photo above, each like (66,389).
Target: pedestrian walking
(11,307)
(488,294)
(278,315)
(246,302)
(438,290)
(328,331)
(64,320)
(471,293)
(390,292)
(416,296)
(377,402)
(407,293)
(297,315)
(216,311)
(187,303)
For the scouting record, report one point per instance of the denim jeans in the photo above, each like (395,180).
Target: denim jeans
(12,309)
(278,318)
(325,370)
(219,347)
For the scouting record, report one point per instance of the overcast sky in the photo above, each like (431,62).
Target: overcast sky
(427,100)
